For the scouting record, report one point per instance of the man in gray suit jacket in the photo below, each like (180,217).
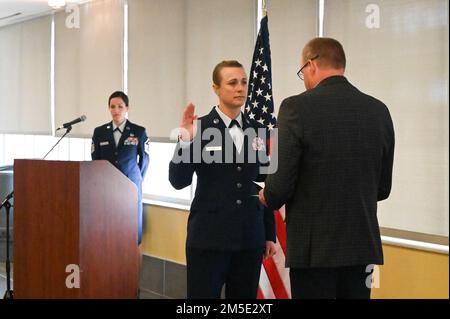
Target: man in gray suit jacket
(336,149)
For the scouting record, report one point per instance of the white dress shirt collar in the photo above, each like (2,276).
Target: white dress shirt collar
(121,126)
(236,132)
(226,119)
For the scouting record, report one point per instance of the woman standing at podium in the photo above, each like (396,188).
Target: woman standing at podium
(123,144)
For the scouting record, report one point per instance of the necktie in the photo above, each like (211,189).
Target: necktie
(117,134)
(233,123)
(236,134)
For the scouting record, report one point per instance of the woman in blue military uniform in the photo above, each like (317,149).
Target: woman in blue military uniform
(123,144)
(229,231)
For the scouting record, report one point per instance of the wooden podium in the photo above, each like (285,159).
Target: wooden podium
(69,215)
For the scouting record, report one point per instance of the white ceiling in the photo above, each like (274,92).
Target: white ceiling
(27,9)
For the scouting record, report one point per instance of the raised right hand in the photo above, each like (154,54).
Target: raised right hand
(188,123)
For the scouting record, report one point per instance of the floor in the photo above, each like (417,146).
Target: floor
(2,279)
(144,294)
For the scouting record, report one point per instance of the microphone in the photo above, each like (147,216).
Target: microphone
(68,124)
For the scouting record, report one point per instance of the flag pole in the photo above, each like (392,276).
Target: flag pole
(264,8)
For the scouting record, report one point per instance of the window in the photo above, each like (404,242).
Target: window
(156,184)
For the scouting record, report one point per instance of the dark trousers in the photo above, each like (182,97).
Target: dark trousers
(209,270)
(330,283)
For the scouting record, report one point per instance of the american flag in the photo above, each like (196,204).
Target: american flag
(259,106)
(274,280)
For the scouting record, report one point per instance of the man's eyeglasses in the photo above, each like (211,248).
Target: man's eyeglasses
(300,72)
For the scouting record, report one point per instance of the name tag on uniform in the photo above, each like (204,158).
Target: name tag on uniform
(213,148)
(104,143)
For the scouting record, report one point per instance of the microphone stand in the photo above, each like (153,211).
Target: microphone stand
(9,294)
(68,129)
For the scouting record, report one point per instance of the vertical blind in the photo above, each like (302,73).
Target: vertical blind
(88,64)
(404,62)
(291,24)
(156,79)
(173,48)
(216,31)
(25,77)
